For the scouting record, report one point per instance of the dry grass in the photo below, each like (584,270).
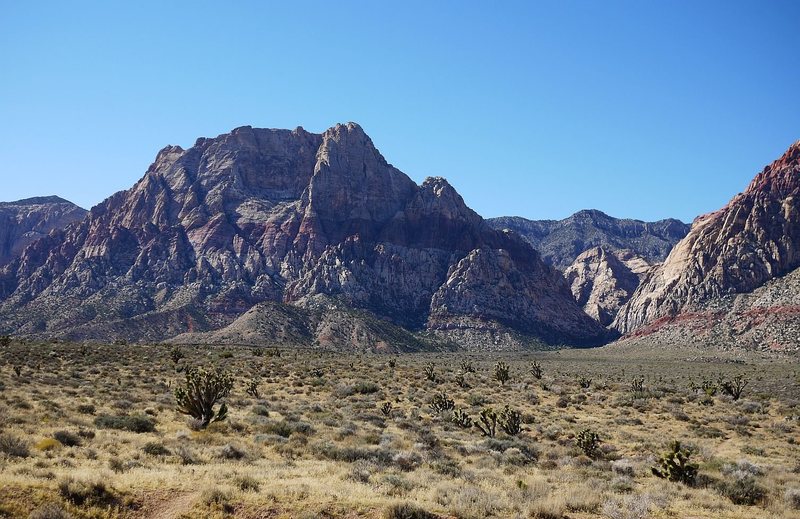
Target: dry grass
(318,440)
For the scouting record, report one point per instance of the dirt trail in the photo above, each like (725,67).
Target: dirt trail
(163,505)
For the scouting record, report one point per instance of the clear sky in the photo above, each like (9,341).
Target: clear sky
(641,109)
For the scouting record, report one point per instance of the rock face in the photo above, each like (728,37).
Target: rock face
(285,217)
(602,281)
(752,240)
(560,242)
(25,221)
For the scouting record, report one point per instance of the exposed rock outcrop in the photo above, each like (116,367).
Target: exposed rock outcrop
(602,281)
(283,218)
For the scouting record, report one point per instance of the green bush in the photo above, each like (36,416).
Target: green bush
(132,423)
(155,449)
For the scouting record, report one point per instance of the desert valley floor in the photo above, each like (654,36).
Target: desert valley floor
(93,431)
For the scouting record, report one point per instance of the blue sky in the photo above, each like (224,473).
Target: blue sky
(640,109)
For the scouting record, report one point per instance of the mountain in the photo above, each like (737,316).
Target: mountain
(732,267)
(25,221)
(560,242)
(602,281)
(294,233)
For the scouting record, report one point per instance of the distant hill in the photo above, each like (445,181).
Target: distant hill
(560,242)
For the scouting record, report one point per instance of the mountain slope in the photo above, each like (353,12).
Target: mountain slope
(560,242)
(754,239)
(25,221)
(280,216)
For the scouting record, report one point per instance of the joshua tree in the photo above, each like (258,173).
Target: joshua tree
(201,391)
(430,371)
(675,466)
(501,372)
(588,441)
(252,388)
(462,419)
(536,370)
(510,421)
(733,388)
(488,423)
(5,340)
(441,402)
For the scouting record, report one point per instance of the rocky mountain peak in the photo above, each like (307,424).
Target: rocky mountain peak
(753,239)
(284,217)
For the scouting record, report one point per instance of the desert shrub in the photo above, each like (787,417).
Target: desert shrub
(247,483)
(361,388)
(186,455)
(67,438)
(13,447)
(201,391)
(467,366)
(231,452)
(407,511)
(155,449)
(217,498)
(742,490)
(132,423)
(86,409)
(386,408)
(792,497)
(48,444)
(260,410)
(85,492)
(536,370)
(176,354)
(5,340)
(584,382)
(588,441)
(674,465)
(50,511)
(397,485)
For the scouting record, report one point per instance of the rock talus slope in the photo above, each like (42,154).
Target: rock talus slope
(285,217)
